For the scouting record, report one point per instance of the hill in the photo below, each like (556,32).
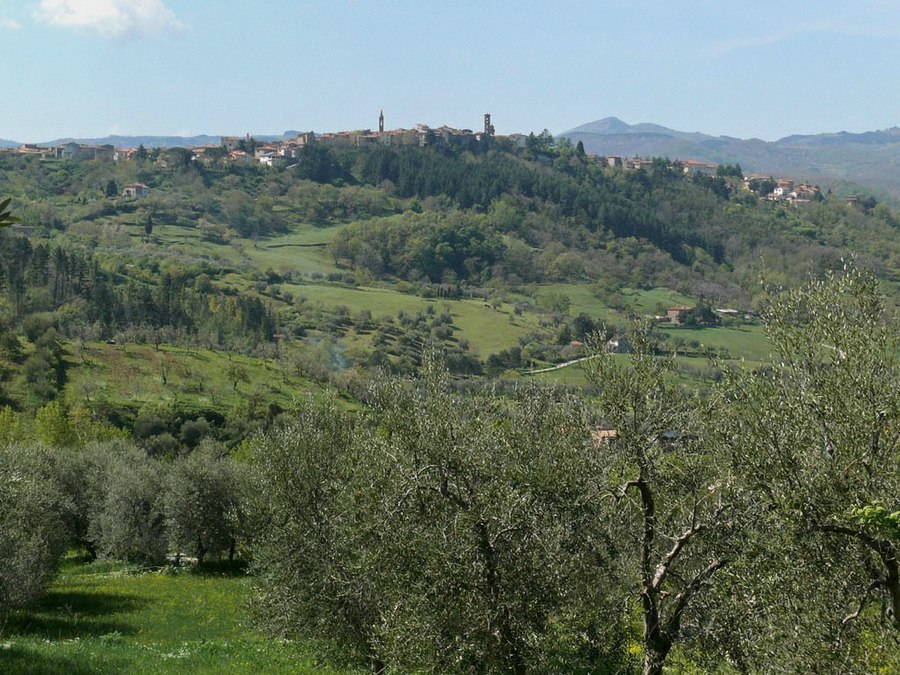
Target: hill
(870,159)
(149,141)
(231,289)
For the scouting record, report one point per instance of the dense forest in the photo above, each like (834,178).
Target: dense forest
(431,400)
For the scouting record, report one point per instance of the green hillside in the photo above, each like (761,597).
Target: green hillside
(353,259)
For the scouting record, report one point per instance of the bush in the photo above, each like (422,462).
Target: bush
(128,522)
(306,549)
(203,503)
(31,526)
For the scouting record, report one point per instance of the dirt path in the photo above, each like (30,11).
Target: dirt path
(558,366)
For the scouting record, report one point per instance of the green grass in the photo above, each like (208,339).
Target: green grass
(103,618)
(573,375)
(195,378)
(583,299)
(487,329)
(743,341)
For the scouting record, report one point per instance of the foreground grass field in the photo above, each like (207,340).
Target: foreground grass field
(102,618)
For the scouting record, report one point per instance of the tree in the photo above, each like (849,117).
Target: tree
(236,373)
(819,433)
(452,537)
(480,484)
(128,520)
(53,428)
(310,561)
(702,314)
(674,512)
(6,217)
(148,226)
(31,528)
(112,189)
(81,473)
(202,503)
(544,143)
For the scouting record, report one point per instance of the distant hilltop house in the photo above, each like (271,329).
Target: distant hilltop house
(618,345)
(78,151)
(232,143)
(135,191)
(688,166)
(692,167)
(124,154)
(790,193)
(36,151)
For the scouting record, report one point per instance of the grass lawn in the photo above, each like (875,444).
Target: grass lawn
(105,618)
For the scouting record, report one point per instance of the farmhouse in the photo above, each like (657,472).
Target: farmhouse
(135,191)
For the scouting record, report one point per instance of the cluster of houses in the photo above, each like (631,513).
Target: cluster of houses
(283,153)
(688,166)
(246,150)
(786,190)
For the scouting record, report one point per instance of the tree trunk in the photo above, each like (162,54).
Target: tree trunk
(654,657)
(892,584)
(492,582)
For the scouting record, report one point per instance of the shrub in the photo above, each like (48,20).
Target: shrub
(128,522)
(31,526)
(202,503)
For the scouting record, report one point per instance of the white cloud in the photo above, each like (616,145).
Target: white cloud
(872,25)
(111,18)
(11,24)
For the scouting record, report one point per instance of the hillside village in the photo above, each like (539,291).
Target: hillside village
(246,150)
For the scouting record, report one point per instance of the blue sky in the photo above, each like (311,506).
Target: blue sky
(763,69)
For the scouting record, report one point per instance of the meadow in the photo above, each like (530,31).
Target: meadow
(112,618)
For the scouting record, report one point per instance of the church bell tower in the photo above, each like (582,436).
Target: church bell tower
(381,122)
(488,127)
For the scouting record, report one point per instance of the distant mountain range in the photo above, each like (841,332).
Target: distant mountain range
(149,141)
(867,160)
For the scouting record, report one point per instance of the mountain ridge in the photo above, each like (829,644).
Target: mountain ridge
(870,159)
(148,141)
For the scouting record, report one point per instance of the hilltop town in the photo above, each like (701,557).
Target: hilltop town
(280,154)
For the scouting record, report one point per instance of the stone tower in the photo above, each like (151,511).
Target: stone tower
(381,122)
(488,127)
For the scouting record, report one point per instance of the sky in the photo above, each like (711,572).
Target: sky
(90,68)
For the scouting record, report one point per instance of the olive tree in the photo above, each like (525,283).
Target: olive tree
(203,503)
(488,517)
(81,474)
(31,528)
(127,520)
(311,560)
(451,533)
(817,434)
(675,507)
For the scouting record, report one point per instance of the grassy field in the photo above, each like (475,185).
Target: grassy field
(743,341)
(583,299)
(195,379)
(104,618)
(301,256)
